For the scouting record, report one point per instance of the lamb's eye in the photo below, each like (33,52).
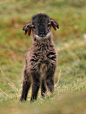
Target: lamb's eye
(48,25)
(33,27)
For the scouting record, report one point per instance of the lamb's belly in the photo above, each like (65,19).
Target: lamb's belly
(43,69)
(43,66)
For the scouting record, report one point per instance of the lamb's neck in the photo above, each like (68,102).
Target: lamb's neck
(42,41)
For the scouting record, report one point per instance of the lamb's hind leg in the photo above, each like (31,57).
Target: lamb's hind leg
(26,86)
(43,88)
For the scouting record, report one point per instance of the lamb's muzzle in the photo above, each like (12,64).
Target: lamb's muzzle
(41,58)
(44,37)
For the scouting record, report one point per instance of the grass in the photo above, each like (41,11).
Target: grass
(69,96)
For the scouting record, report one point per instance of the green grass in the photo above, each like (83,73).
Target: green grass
(69,96)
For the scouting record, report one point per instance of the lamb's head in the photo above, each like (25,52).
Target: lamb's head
(40,26)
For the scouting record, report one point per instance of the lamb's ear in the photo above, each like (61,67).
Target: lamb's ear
(54,23)
(27,28)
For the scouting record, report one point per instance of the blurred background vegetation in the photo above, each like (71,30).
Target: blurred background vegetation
(70,41)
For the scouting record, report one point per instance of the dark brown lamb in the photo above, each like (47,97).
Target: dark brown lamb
(41,58)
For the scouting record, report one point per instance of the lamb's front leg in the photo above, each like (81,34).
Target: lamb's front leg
(35,84)
(50,78)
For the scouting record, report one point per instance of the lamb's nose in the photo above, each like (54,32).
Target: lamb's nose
(42,34)
(41,31)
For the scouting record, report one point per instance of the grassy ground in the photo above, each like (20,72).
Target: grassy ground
(69,96)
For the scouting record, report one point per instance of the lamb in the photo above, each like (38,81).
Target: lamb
(41,58)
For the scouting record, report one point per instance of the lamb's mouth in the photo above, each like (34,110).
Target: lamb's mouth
(44,37)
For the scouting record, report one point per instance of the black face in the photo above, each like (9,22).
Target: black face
(41,25)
